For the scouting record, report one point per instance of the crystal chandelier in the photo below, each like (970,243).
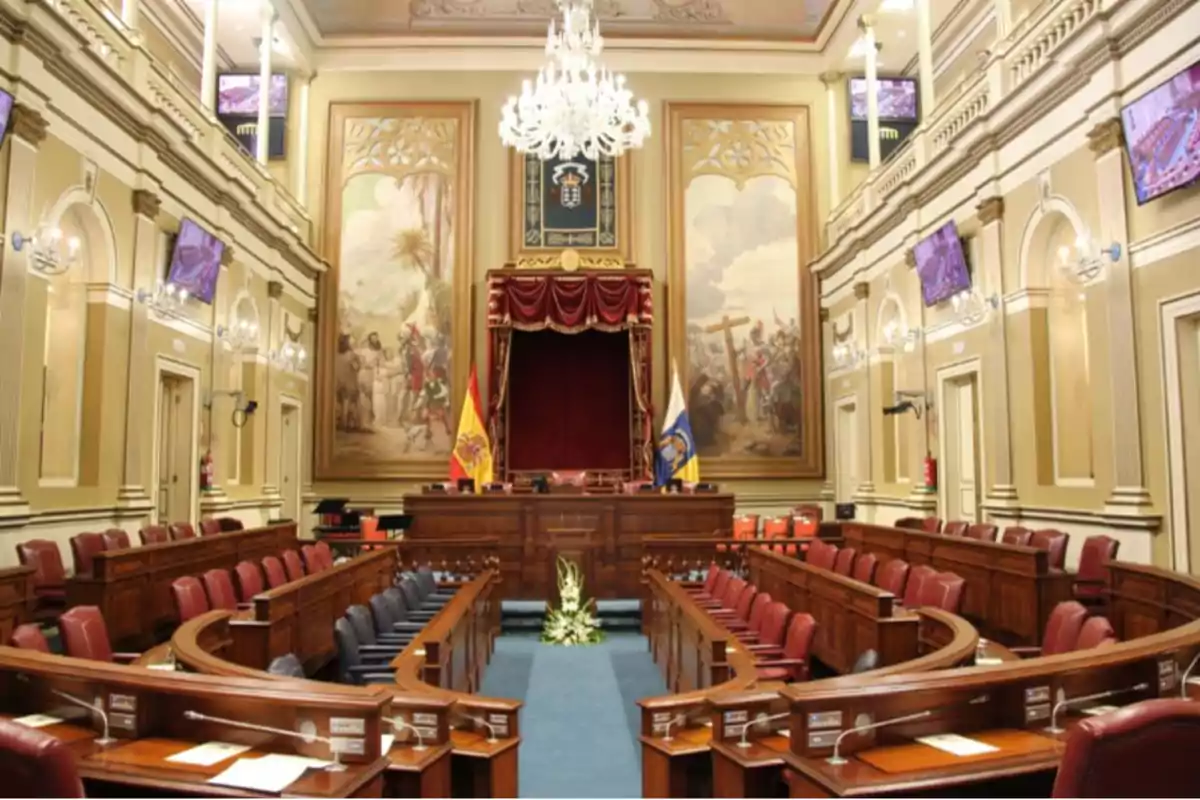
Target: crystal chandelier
(167,300)
(241,336)
(1088,261)
(847,355)
(972,308)
(290,358)
(576,104)
(50,252)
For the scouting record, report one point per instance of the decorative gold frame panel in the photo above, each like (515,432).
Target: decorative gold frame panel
(327,465)
(769,156)
(524,257)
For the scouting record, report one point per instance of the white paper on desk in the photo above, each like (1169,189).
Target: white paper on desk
(284,759)
(37,720)
(1096,711)
(957,745)
(253,774)
(162,667)
(387,740)
(988,662)
(208,754)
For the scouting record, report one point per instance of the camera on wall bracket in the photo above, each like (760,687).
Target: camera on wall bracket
(242,408)
(916,402)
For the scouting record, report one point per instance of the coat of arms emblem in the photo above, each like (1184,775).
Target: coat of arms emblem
(570,177)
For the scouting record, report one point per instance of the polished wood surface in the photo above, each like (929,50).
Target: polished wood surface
(132,587)
(611,551)
(1009,592)
(16,599)
(298,617)
(456,556)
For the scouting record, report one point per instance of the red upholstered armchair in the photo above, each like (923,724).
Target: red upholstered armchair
(893,576)
(844,563)
(292,565)
(116,539)
(229,524)
(154,534)
(714,588)
(776,528)
(822,554)
(955,529)
(209,527)
(1091,579)
(49,576)
(758,617)
(1062,631)
(324,551)
(931,525)
(774,626)
(1016,535)
(1053,542)
(573,480)
(29,637)
(911,524)
(190,600)
(36,764)
(984,532)
(1144,750)
(864,568)
(745,528)
(1096,632)
(276,574)
(789,663)
(249,579)
(181,531)
(83,547)
(945,591)
(312,559)
(914,591)
(84,635)
(739,616)
(728,599)
(219,588)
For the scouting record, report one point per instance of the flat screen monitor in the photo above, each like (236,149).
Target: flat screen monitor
(237,95)
(196,261)
(1162,135)
(897,99)
(942,265)
(6,105)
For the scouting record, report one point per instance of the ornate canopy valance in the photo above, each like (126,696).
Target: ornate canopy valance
(570,302)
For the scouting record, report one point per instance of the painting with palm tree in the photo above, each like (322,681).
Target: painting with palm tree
(398,262)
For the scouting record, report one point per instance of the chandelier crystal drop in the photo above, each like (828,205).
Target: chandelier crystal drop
(576,105)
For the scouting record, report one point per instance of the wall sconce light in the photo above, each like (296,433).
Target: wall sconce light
(1088,260)
(290,358)
(242,336)
(971,307)
(50,252)
(847,356)
(895,335)
(167,300)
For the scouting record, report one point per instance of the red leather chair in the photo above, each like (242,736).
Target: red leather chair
(774,626)
(325,552)
(931,525)
(116,539)
(911,523)
(789,663)
(822,554)
(1062,631)
(1147,749)
(710,580)
(740,615)
(569,480)
(181,531)
(312,559)
(1096,632)
(1053,542)
(1016,535)
(844,563)
(210,527)
(249,580)
(229,524)
(219,588)
(729,597)
(864,568)
(955,529)
(777,528)
(984,532)
(293,565)
(893,576)
(49,576)
(36,764)
(154,534)
(750,628)
(945,592)
(84,635)
(1091,579)
(276,574)
(190,599)
(914,592)
(29,637)
(718,588)
(744,529)
(83,547)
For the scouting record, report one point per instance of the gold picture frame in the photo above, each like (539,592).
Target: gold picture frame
(526,255)
(741,142)
(457,155)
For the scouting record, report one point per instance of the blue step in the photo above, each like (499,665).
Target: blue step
(530,615)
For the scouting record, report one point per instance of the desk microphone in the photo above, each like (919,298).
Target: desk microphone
(1187,673)
(401,724)
(678,719)
(308,738)
(761,719)
(491,729)
(837,760)
(104,739)
(1065,701)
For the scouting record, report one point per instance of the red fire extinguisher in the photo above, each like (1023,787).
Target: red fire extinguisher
(206,472)
(930,471)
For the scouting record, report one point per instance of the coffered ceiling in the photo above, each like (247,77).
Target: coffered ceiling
(763,20)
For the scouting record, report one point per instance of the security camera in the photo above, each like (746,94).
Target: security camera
(901,407)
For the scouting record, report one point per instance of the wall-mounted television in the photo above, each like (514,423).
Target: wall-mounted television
(942,265)
(1162,135)
(196,261)
(897,99)
(6,106)
(237,95)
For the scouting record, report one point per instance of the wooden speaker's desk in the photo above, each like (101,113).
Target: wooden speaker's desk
(523,523)
(16,598)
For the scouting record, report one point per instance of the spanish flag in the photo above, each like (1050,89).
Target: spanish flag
(472,454)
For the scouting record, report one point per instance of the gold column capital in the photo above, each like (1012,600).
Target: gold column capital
(862,290)
(146,204)
(1106,137)
(28,124)
(831,77)
(910,258)
(990,210)
(275,290)
(823,315)
(227,256)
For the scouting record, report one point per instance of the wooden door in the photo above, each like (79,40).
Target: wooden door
(289,461)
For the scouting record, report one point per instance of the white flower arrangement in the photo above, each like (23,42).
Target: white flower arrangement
(573,623)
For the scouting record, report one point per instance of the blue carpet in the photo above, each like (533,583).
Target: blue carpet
(579,725)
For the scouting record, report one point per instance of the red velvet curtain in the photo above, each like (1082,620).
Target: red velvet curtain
(568,401)
(569,303)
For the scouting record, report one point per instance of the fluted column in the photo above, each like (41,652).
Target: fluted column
(301,156)
(871,64)
(829,488)
(140,377)
(832,81)
(27,132)
(866,483)
(1004,18)
(1129,494)
(208,72)
(925,56)
(130,13)
(1002,490)
(263,138)
(270,402)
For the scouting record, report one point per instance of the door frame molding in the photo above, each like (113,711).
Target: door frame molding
(165,365)
(838,404)
(1171,311)
(292,401)
(949,373)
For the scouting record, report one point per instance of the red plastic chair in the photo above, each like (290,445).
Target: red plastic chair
(219,588)
(276,574)
(789,663)
(190,600)
(1062,631)
(292,565)
(249,579)
(893,576)
(864,568)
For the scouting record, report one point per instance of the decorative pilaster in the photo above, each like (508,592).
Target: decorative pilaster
(871,66)
(28,129)
(832,81)
(300,190)
(262,138)
(1002,491)
(866,484)
(270,405)
(1129,495)
(925,57)
(222,436)
(828,488)
(208,66)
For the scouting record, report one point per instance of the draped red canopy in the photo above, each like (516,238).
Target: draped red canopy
(577,386)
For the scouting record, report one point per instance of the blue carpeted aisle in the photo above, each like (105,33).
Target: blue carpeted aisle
(579,725)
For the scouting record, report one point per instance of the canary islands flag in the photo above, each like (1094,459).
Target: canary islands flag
(676,448)
(472,454)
